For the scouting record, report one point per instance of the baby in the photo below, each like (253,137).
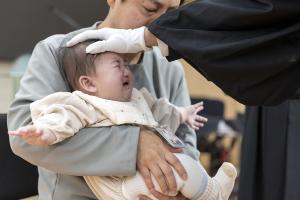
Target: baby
(104,96)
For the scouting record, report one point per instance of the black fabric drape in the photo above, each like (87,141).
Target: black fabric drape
(263,157)
(249,48)
(270,160)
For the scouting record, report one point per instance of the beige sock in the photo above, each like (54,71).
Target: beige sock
(199,186)
(220,186)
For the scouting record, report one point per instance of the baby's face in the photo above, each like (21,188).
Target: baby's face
(113,78)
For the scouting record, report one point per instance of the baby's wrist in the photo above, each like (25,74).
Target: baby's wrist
(183,114)
(52,138)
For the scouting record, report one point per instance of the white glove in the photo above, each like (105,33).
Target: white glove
(115,40)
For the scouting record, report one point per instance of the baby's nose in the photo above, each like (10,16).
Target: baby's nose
(126,71)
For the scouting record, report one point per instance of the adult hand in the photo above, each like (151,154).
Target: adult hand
(115,40)
(155,159)
(163,197)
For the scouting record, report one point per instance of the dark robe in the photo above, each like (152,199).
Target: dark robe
(270,160)
(249,48)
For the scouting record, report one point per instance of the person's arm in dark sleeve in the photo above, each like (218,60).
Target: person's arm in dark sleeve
(250,49)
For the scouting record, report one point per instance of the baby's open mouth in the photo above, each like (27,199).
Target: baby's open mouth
(126,83)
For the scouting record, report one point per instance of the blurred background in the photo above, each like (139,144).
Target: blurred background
(218,142)
(19,33)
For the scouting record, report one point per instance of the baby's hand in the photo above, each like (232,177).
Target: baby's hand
(192,119)
(34,135)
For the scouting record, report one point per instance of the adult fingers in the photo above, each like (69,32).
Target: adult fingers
(143,197)
(145,173)
(160,178)
(113,44)
(86,35)
(174,150)
(176,164)
(165,197)
(169,177)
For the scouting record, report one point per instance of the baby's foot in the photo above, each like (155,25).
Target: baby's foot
(225,178)
(220,186)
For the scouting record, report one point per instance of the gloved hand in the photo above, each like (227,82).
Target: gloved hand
(115,40)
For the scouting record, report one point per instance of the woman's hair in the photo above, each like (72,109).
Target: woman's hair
(76,62)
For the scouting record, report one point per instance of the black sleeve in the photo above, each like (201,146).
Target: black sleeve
(249,48)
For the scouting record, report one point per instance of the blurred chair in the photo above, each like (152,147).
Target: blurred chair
(18,178)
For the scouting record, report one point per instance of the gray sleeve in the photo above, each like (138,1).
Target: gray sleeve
(181,97)
(90,152)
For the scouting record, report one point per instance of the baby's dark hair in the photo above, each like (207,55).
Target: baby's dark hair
(76,62)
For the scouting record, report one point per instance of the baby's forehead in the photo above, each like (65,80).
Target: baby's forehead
(111,56)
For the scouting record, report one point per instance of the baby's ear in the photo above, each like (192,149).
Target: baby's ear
(87,84)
